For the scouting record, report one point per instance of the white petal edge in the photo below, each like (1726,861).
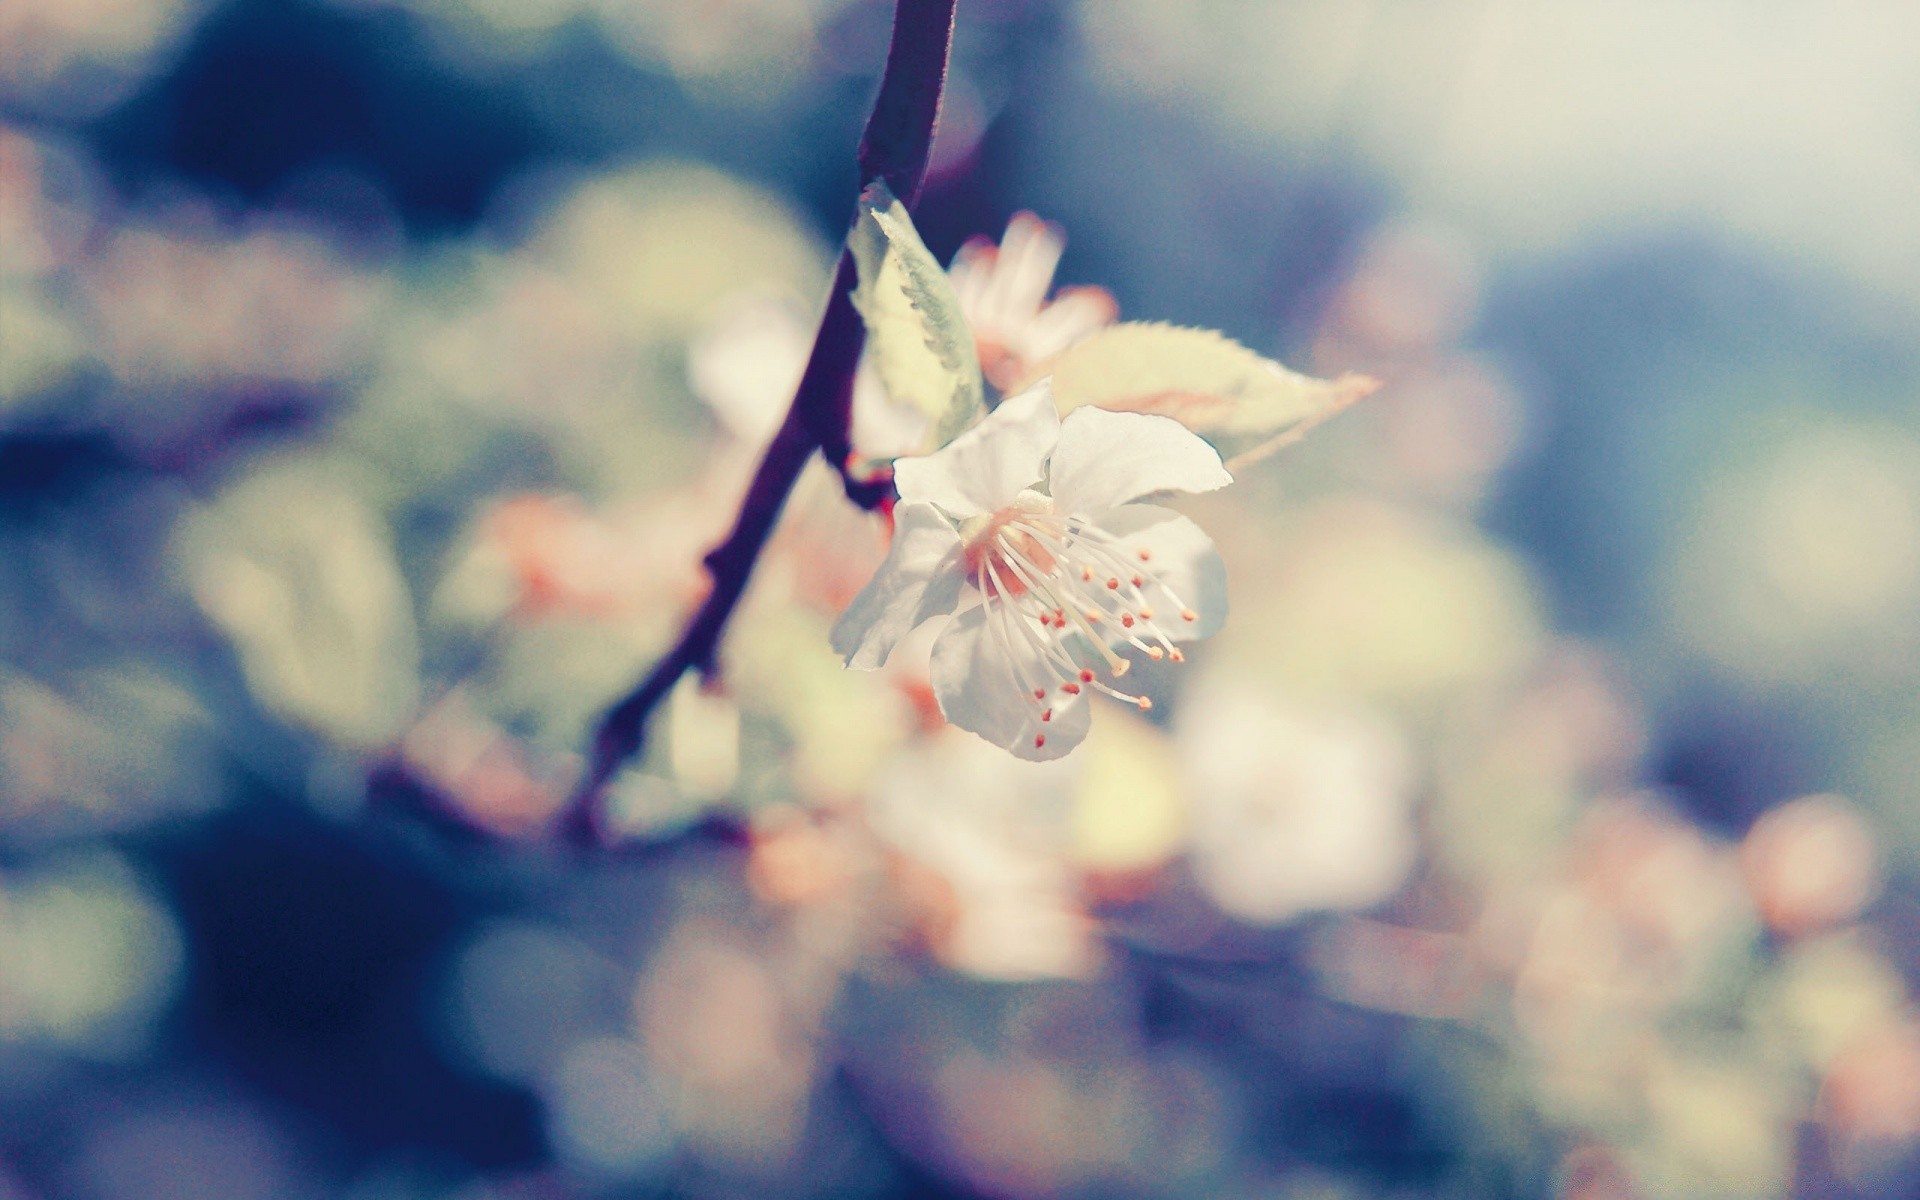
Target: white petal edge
(1108,458)
(979,692)
(987,466)
(1183,561)
(919,580)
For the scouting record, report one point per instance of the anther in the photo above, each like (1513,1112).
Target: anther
(1120,667)
(1039,740)
(1086,675)
(1127,620)
(1071,689)
(1146,705)
(1146,614)
(1039,693)
(1177,655)
(1138,581)
(1187,614)
(1086,574)
(1146,555)
(1156,653)
(1047,715)
(1113,585)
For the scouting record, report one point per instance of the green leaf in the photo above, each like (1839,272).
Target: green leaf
(1246,405)
(919,341)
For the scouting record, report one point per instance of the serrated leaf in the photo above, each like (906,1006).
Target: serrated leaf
(1246,405)
(919,340)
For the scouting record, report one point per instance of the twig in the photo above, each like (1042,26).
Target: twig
(894,148)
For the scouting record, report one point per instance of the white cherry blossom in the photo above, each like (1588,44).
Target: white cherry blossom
(1002,291)
(1027,533)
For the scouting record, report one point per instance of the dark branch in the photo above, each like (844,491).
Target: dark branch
(895,147)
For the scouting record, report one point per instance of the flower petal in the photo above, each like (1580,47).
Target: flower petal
(1108,458)
(988,465)
(919,581)
(980,691)
(1185,569)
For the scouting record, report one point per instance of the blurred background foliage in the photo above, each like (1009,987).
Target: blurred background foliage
(373,374)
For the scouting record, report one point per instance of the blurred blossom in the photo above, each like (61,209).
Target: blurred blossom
(1448,419)
(48,198)
(747,367)
(75,57)
(1632,936)
(1807,559)
(115,747)
(302,577)
(1414,290)
(88,959)
(47,202)
(1374,601)
(742,49)
(1446,431)
(1130,810)
(1395,969)
(1048,1091)
(180,307)
(538,556)
(522,993)
(1811,863)
(1830,992)
(662,248)
(748,363)
(1003,295)
(989,835)
(609,1116)
(574,336)
(1513,768)
(802,857)
(716,1025)
(1671,886)
(494,780)
(1719,1129)
(840,726)
(703,739)
(1870,1102)
(1296,808)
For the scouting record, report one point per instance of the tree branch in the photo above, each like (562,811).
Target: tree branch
(894,148)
